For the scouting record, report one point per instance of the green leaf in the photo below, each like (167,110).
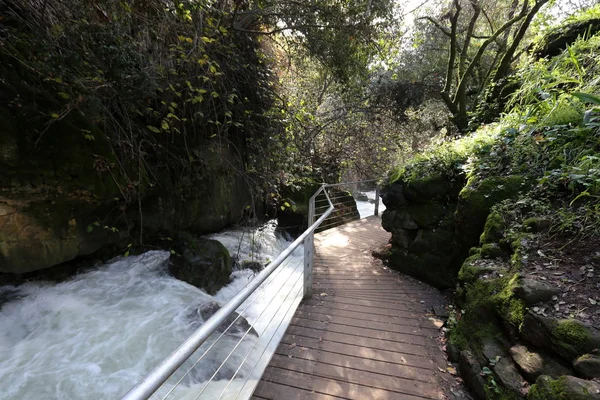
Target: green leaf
(153,129)
(164,125)
(126,253)
(55,115)
(64,95)
(89,229)
(587,97)
(282,208)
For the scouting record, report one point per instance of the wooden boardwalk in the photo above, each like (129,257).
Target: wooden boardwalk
(367,333)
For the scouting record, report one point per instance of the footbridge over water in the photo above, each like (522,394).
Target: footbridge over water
(339,326)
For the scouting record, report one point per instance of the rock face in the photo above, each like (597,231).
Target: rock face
(203,263)
(67,197)
(419,215)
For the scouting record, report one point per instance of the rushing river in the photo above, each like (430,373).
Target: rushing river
(96,335)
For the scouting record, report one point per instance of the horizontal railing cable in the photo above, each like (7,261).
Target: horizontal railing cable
(266,327)
(298,292)
(256,297)
(239,342)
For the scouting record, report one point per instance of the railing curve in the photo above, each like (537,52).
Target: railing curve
(152,382)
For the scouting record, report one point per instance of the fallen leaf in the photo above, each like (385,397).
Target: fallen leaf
(291,346)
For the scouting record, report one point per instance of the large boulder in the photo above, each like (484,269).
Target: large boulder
(201,262)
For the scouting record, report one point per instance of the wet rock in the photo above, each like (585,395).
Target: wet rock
(203,263)
(564,388)
(509,376)
(588,366)
(202,313)
(253,265)
(534,292)
(470,370)
(533,363)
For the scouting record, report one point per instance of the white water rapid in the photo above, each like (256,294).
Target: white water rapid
(96,335)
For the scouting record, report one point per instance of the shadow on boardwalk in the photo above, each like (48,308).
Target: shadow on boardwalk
(367,333)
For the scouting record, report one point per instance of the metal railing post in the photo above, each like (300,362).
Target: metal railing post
(377,200)
(309,248)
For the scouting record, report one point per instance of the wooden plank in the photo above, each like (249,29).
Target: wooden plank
(332,387)
(275,391)
(387,312)
(378,344)
(363,364)
(356,323)
(333,308)
(364,352)
(372,333)
(365,378)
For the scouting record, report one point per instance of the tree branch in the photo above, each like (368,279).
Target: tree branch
(437,25)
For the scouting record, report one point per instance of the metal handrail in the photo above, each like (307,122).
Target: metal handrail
(155,379)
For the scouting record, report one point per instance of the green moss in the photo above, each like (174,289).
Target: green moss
(477,198)
(536,224)
(572,337)
(547,388)
(510,307)
(491,250)
(493,230)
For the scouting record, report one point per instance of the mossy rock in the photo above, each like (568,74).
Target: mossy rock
(568,338)
(475,266)
(493,230)
(588,366)
(564,388)
(556,40)
(571,338)
(437,270)
(537,224)
(534,362)
(491,250)
(203,263)
(426,215)
(477,198)
(436,241)
(424,190)
(393,196)
(394,220)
